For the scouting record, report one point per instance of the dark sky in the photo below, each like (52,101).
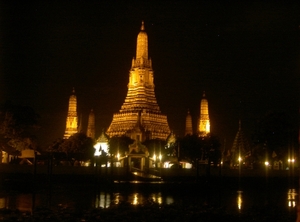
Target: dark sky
(245,56)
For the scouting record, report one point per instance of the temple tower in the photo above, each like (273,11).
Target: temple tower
(140,109)
(204,123)
(188,124)
(240,147)
(91,125)
(72,118)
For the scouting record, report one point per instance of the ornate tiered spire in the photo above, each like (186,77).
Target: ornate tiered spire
(142,44)
(72,118)
(91,125)
(140,104)
(240,147)
(204,123)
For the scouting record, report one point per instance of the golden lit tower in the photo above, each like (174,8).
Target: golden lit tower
(72,118)
(140,108)
(204,123)
(188,124)
(91,125)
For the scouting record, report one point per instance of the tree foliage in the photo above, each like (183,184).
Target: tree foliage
(119,145)
(156,146)
(78,146)
(17,127)
(193,147)
(274,133)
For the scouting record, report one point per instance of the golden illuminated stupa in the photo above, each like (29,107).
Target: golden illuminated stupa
(204,123)
(72,118)
(140,117)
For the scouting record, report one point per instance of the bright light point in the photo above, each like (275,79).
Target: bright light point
(239,159)
(154,157)
(160,157)
(99,147)
(267,163)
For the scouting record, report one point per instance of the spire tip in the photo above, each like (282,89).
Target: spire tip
(142,27)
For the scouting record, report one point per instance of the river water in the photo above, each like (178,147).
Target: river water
(234,195)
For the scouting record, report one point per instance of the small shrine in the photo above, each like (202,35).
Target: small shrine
(138,157)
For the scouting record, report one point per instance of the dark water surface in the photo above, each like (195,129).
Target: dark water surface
(234,195)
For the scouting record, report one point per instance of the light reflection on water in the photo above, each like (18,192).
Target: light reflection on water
(104,198)
(291,197)
(292,200)
(239,199)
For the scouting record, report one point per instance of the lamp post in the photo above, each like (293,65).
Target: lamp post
(154,158)
(291,162)
(160,157)
(267,164)
(240,168)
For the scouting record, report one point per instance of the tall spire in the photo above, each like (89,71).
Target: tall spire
(188,124)
(142,44)
(72,118)
(91,125)
(140,103)
(240,147)
(204,123)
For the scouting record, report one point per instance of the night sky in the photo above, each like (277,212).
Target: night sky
(245,56)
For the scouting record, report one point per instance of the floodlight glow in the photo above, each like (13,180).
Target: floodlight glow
(267,163)
(100,147)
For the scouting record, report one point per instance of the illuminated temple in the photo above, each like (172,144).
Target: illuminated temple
(204,123)
(72,118)
(140,117)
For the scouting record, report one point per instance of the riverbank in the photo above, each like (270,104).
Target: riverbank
(119,173)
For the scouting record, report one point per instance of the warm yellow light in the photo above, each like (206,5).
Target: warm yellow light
(292,198)
(240,159)
(154,157)
(239,200)
(207,128)
(118,156)
(135,199)
(159,157)
(291,160)
(267,163)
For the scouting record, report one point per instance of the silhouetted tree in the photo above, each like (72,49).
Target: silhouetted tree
(17,127)
(193,147)
(274,133)
(156,146)
(119,145)
(190,148)
(78,147)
